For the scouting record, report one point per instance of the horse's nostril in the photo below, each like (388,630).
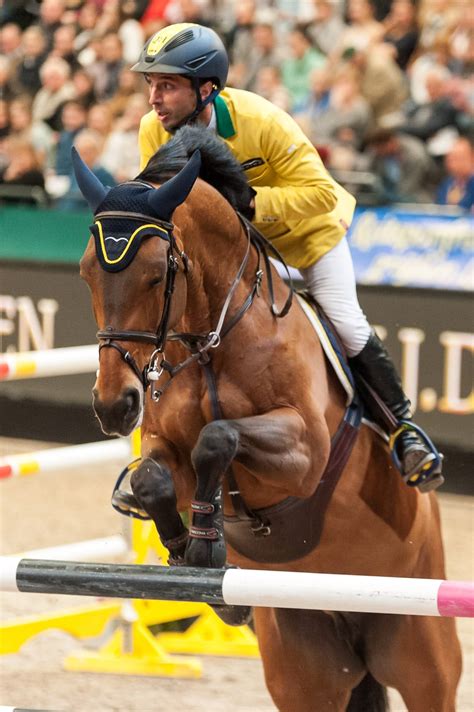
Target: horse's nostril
(131,397)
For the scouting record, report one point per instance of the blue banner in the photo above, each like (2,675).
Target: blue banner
(407,248)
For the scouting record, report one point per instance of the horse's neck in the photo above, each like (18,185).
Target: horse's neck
(216,249)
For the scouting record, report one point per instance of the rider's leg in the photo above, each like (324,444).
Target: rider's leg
(332,282)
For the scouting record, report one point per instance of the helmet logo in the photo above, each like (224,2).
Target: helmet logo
(158,41)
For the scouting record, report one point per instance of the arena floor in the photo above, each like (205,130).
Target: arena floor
(52,509)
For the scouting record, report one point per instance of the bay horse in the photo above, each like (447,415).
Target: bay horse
(239,426)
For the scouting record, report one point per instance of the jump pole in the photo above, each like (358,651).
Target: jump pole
(50,362)
(54,459)
(276,589)
(89,550)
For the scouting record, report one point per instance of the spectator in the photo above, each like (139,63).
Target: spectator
(129,30)
(318,100)
(84,91)
(401,31)
(106,70)
(457,188)
(85,27)
(121,156)
(24,169)
(56,90)
(327,26)
(10,42)
(73,120)
(128,85)
(383,83)
(27,72)
(363,30)
(6,81)
(100,120)
(438,112)
(297,69)
(50,18)
(89,144)
(63,46)
(404,166)
(37,133)
(346,110)
(438,19)
(265,51)
(269,85)
(239,38)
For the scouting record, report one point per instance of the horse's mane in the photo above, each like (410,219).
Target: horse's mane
(219,167)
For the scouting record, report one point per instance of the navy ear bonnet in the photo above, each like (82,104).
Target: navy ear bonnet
(124,215)
(118,237)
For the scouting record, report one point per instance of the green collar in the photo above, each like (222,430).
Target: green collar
(225,127)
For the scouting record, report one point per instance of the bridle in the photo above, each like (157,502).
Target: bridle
(199,344)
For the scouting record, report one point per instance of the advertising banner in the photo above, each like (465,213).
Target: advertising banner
(405,248)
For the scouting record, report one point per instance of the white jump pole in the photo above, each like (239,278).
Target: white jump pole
(52,362)
(116,451)
(275,589)
(90,550)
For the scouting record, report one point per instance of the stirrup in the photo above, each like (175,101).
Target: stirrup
(123,501)
(427,473)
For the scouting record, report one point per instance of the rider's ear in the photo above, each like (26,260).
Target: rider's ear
(206,89)
(164,200)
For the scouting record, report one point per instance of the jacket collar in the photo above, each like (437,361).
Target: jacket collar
(225,127)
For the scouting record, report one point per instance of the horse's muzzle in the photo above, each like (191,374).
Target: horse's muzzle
(122,415)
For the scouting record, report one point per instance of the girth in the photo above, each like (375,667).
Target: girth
(294,526)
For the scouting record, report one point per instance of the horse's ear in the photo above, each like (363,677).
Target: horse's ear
(91,187)
(164,200)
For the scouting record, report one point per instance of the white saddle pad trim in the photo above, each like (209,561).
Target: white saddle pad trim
(327,348)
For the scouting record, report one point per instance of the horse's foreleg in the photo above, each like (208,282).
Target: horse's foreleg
(274,446)
(153,488)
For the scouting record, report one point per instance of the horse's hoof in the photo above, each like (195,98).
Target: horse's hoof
(234,615)
(207,554)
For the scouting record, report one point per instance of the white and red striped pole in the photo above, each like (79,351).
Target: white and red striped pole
(276,589)
(51,362)
(115,451)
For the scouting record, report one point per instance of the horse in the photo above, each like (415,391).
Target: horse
(239,408)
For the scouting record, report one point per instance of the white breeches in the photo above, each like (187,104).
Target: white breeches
(331,281)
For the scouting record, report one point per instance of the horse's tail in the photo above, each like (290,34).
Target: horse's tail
(368,696)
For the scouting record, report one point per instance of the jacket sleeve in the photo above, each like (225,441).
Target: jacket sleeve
(306,188)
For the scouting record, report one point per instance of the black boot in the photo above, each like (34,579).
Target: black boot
(412,450)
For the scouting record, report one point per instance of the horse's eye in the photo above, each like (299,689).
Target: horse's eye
(155,281)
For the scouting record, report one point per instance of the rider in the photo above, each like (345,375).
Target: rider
(297,205)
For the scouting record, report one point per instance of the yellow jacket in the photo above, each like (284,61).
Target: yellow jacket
(298,206)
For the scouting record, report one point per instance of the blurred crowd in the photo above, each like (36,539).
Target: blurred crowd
(383,88)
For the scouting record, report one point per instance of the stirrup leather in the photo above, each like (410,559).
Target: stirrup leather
(427,473)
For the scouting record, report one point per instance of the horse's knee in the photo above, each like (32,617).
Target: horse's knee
(152,481)
(216,447)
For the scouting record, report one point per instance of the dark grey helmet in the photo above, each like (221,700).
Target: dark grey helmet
(192,50)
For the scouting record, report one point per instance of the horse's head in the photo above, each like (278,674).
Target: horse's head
(132,265)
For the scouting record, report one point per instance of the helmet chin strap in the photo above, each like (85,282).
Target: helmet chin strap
(200,104)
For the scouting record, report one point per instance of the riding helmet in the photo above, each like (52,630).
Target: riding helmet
(188,49)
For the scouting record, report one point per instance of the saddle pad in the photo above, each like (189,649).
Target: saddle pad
(330,348)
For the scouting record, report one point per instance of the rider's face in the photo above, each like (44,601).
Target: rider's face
(172,97)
